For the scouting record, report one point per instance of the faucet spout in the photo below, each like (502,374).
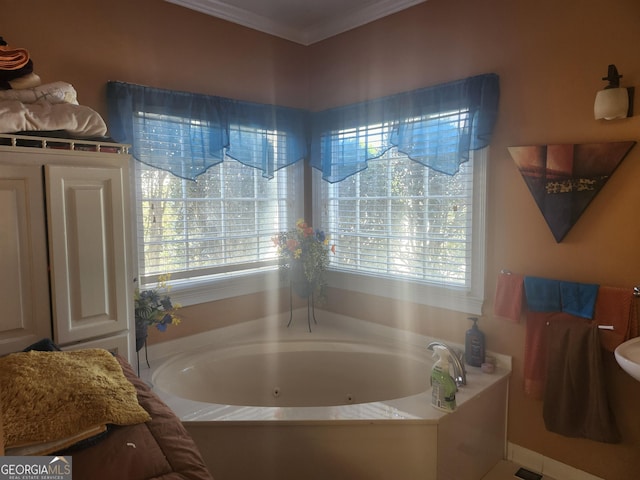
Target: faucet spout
(460,375)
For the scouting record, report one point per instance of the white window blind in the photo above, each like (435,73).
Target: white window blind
(400,220)
(222,222)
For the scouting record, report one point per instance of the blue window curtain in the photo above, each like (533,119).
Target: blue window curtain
(266,137)
(186,133)
(436,126)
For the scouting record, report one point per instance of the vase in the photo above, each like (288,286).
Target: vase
(299,281)
(141,334)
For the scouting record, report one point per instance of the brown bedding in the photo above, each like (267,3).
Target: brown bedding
(158,449)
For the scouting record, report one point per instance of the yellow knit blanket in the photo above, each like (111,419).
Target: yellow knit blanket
(47,396)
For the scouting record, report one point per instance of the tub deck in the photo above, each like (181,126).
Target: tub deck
(403,438)
(330,328)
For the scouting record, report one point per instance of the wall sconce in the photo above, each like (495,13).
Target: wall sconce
(613,102)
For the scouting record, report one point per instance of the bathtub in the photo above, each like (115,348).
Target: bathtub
(351,400)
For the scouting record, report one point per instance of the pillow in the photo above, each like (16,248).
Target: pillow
(50,396)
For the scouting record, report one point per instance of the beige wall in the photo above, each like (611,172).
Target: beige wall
(152,42)
(550,56)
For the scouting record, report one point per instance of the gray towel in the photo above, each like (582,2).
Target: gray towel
(576,403)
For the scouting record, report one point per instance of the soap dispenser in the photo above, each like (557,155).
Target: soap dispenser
(474,345)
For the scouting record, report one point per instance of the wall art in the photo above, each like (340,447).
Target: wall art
(565,178)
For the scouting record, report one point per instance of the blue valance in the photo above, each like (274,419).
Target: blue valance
(187,133)
(436,126)
(266,137)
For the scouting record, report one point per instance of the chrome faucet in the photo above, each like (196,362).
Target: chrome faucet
(459,374)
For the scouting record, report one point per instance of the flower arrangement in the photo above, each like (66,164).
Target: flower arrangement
(154,307)
(304,255)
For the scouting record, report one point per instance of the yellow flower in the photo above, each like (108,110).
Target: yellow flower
(163,281)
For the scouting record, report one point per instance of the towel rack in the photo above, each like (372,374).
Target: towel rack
(636,291)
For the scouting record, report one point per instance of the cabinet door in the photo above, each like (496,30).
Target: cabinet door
(88,252)
(24,281)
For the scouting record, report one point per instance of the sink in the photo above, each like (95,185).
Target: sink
(628,357)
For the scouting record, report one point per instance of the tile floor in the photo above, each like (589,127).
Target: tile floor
(505,470)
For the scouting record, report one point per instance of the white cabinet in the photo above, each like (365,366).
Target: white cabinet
(65,243)
(24,283)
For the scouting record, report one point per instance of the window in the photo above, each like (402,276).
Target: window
(214,228)
(398,220)
(393,217)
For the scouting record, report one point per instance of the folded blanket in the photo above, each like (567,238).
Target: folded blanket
(56,92)
(576,403)
(78,120)
(48,396)
(13,58)
(46,448)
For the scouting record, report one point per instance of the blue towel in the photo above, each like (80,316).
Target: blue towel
(579,298)
(543,295)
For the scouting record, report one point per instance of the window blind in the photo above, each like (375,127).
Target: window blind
(221,223)
(399,219)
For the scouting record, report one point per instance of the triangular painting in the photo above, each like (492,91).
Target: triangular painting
(564,179)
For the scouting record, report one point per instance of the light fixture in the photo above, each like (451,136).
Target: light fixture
(614,101)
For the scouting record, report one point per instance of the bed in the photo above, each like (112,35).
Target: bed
(146,440)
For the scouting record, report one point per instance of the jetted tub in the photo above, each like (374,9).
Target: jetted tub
(298,373)
(351,400)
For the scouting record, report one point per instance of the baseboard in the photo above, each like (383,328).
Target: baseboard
(547,466)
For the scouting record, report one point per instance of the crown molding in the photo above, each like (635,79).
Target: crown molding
(349,20)
(340,23)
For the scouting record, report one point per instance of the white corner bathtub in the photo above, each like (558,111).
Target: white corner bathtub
(295,373)
(351,400)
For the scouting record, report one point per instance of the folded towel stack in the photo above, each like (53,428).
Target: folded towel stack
(13,58)
(16,68)
(27,106)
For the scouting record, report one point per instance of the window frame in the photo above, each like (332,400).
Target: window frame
(208,288)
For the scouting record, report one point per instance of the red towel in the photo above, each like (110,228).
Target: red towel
(508,299)
(616,307)
(13,58)
(536,346)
